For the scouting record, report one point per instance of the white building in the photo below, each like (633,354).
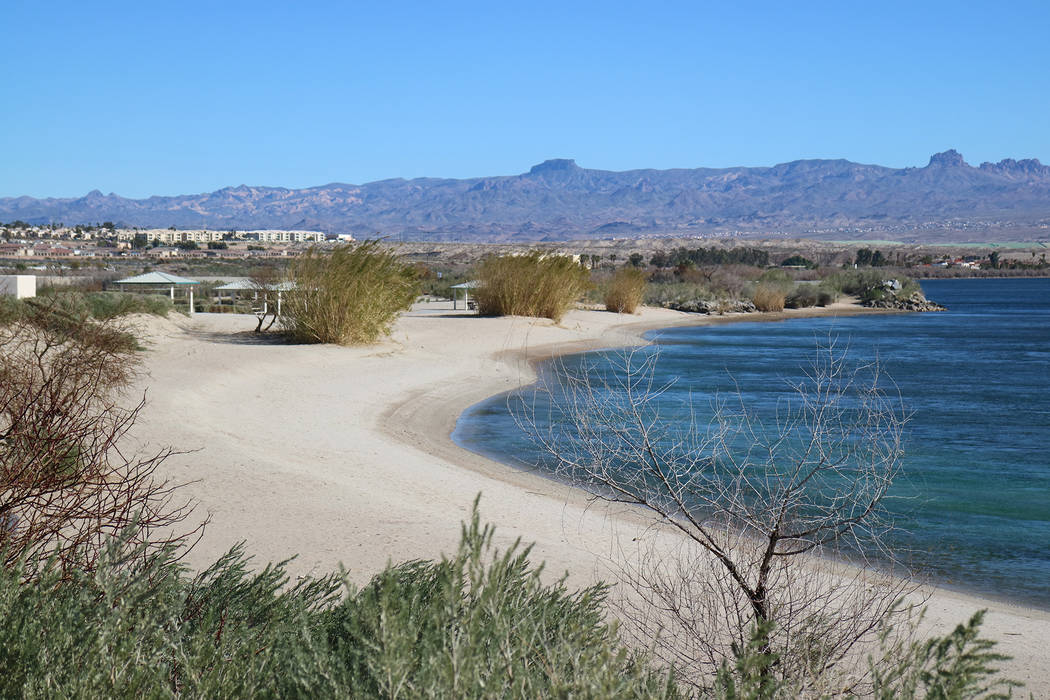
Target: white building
(271,236)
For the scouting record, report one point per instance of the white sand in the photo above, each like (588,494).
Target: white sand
(342,455)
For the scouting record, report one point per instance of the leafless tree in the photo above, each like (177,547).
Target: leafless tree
(265,283)
(66,486)
(768,510)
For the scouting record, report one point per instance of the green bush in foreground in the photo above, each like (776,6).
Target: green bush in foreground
(957,666)
(477,624)
(348,296)
(626,290)
(537,284)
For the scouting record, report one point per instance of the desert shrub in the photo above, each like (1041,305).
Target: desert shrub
(777,277)
(348,296)
(806,295)
(676,293)
(537,284)
(798,261)
(108,305)
(730,280)
(769,297)
(102,306)
(482,623)
(625,291)
(868,285)
(853,282)
(479,623)
(908,287)
(961,664)
(65,482)
(11,309)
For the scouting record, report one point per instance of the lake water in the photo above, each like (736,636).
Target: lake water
(975,499)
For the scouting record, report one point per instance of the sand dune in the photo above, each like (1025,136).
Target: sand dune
(342,455)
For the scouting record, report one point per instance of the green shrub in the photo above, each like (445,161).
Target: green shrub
(67,317)
(777,277)
(867,285)
(961,664)
(806,295)
(676,293)
(107,305)
(537,284)
(477,624)
(11,309)
(798,261)
(626,290)
(348,296)
(853,282)
(102,306)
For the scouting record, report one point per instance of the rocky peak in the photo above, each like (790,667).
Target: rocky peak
(948,159)
(1019,168)
(554,165)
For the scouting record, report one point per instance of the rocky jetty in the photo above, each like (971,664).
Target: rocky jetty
(913,302)
(712,306)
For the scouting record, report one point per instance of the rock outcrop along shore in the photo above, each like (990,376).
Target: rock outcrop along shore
(914,302)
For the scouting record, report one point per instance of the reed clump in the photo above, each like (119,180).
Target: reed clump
(769,297)
(348,296)
(626,290)
(537,284)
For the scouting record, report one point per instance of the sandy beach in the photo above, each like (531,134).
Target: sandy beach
(343,456)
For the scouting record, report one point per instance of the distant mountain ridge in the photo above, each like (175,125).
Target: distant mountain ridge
(557,200)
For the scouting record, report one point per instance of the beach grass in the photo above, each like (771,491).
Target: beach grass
(537,284)
(626,290)
(348,296)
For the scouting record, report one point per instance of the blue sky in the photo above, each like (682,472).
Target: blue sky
(180,97)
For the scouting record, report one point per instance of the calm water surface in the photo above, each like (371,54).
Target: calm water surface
(976,497)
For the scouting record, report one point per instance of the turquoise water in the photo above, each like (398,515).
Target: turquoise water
(975,501)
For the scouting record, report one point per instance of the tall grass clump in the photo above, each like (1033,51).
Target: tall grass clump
(348,296)
(626,290)
(769,296)
(477,624)
(537,284)
(772,289)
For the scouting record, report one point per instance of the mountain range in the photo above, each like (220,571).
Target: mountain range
(947,199)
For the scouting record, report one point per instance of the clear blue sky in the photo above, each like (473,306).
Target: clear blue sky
(145,98)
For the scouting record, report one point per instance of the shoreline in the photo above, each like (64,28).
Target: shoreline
(345,454)
(639,335)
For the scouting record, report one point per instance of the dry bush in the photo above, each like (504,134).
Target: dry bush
(537,284)
(626,290)
(65,485)
(763,505)
(348,296)
(769,297)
